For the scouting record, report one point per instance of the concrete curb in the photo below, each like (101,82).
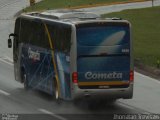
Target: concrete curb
(92,5)
(106,4)
(147,70)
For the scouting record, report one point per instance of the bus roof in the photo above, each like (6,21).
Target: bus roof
(70,16)
(62,14)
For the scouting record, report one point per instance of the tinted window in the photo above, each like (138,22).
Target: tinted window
(103,35)
(25,33)
(61,36)
(17,27)
(37,34)
(16,39)
(33,32)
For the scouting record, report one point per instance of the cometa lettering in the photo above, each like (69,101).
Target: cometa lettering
(113,75)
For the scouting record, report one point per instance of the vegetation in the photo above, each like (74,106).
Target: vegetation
(146,33)
(53,4)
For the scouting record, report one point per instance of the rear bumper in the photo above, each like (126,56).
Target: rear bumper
(115,93)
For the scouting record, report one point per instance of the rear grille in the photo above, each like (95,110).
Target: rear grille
(103,87)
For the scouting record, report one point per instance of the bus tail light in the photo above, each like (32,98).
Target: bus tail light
(75,77)
(131,76)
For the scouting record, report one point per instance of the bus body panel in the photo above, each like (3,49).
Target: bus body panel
(97,65)
(37,63)
(105,93)
(38,67)
(104,67)
(103,52)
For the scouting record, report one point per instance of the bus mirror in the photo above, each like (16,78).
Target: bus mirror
(9,43)
(12,34)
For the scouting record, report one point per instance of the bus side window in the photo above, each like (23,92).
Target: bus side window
(53,35)
(66,39)
(16,39)
(35,34)
(26,31)
(45,41)
(61,37)
(40,35)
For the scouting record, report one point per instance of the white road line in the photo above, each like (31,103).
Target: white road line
(6,62)
(5,93)
(51,113)
(133,108)
(147,77)
(10,59)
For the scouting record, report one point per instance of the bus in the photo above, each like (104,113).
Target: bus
(73,54)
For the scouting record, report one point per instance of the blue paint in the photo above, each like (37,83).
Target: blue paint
(102,50)
(40,73)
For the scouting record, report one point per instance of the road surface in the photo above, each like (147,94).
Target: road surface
(14,99)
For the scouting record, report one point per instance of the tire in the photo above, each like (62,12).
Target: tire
(56,92)
(25,81)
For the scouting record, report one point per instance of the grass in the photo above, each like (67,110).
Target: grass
(146,33)
(54,4)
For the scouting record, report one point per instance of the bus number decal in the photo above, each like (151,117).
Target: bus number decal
(125,50)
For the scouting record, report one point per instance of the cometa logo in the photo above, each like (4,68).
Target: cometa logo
(103,76)
(33,55)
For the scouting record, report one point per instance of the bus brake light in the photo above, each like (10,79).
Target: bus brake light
(75,77)
(131,76)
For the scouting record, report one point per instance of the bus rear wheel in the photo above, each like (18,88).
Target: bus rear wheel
(56,91)
(24,77)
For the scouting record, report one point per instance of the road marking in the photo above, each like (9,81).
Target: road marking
(10,59)
(147,77)
(5,93)
(51,113)
(129,107)
(2,60)
(133,108)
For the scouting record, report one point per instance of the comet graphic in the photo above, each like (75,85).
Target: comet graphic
(113,39)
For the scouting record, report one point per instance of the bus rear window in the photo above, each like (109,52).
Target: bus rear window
(107,35)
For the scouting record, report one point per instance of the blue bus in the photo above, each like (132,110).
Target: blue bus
(73,54)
